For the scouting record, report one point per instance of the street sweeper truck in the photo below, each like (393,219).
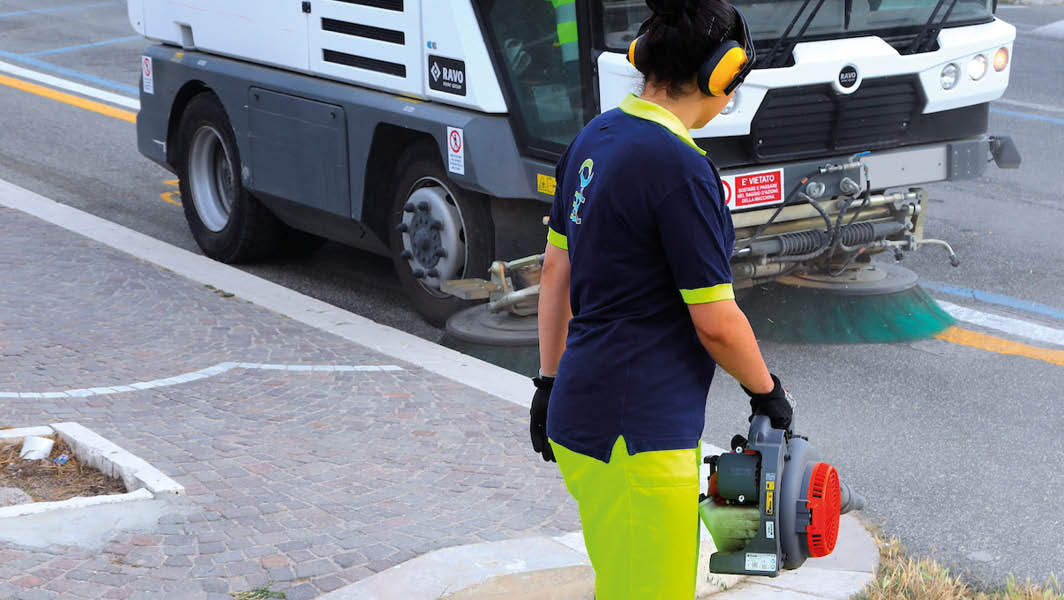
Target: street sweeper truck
(428,130)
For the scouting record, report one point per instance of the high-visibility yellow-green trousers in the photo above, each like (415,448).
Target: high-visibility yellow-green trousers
(640,518)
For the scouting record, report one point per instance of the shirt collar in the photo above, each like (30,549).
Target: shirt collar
(645,109)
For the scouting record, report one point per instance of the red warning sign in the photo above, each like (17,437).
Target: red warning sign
(753,189)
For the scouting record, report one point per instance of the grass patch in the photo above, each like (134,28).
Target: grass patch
(901,577)
(263,593)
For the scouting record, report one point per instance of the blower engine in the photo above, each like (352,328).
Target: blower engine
(771,503)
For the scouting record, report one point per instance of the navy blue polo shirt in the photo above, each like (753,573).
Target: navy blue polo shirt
(641,212)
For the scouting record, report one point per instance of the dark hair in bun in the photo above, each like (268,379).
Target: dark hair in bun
(678,37)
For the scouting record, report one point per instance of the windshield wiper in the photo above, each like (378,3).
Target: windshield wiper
(770,62)
(927,36)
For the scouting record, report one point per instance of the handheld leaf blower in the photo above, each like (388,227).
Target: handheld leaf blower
(772,503)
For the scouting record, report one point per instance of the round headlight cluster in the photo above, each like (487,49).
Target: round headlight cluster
(950,75)
(977,67)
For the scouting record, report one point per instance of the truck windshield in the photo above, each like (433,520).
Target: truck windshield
(537,51)
(768,20)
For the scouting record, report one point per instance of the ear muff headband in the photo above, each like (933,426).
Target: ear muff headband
(722,71)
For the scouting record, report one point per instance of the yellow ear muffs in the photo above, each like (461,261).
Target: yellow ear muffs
(721,69)
(631,51)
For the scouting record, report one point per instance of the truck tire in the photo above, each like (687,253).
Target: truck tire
(437,231)
(228,223)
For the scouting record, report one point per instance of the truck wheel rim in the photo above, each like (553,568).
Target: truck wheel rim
(210,173)
(433,233)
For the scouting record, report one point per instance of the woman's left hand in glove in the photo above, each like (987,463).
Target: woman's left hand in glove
(538,422)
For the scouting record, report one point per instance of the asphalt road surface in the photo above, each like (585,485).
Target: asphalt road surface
(958,449)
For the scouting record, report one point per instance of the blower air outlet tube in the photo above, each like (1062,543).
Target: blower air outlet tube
(815,241)
(851,500)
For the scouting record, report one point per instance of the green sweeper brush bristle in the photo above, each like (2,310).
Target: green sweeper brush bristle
(785,313)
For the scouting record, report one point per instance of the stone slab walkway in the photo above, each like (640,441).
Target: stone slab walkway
(301,480)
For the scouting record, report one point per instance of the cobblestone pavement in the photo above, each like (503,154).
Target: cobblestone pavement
(304,481)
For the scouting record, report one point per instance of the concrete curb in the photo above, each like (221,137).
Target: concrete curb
(445,362)
(543,568)
(147,482)
(115,461)
(22,510)
(14,436)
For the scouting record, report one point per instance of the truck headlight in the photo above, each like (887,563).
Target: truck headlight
(1001,59)
(948,78)
(977,67)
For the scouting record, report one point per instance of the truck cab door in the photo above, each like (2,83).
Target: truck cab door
(542,57)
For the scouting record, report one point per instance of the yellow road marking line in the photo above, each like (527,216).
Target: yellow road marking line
(168,197)
(991,343)
(96,107)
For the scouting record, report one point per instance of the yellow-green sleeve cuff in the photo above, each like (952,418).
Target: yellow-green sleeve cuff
(708,294)
(557,239)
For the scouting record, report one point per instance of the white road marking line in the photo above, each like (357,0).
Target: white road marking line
(1017,327)
(1032,105)
(196,375)
(70,86)
(1051,30)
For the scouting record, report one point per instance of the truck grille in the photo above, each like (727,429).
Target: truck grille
(812,120)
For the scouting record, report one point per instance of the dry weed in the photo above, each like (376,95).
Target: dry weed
(45,481)
(904,578)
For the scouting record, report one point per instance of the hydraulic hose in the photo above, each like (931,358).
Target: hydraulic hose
(802,244)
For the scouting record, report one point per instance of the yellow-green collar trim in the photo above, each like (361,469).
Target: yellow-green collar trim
(645,109)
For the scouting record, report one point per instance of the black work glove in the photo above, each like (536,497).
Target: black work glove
(777,405)
(537,426)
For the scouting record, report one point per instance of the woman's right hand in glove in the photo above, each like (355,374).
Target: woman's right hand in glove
(777,405)
(538,421)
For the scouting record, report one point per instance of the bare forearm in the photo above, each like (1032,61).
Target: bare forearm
(729,339)
(554,309)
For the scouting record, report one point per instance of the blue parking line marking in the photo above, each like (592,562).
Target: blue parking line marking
(83,46)
(40,11)
(1023,115)
(993,298)
(100,81)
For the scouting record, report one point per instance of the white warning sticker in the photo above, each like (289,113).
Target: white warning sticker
(759,188)
(147,75)
(756,561)
(455,150)
(770,529)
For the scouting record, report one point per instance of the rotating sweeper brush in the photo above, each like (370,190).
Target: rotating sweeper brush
(772,503)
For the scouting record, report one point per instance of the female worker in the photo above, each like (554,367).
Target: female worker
(636,307)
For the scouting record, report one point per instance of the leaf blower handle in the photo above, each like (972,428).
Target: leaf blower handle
(777,405)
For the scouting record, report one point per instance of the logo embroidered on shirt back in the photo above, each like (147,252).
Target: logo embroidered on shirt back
(579,198)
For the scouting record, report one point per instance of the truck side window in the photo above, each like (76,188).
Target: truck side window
(536,42)
(621,21)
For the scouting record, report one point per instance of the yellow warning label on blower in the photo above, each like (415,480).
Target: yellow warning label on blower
(546,184)
(768,502)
